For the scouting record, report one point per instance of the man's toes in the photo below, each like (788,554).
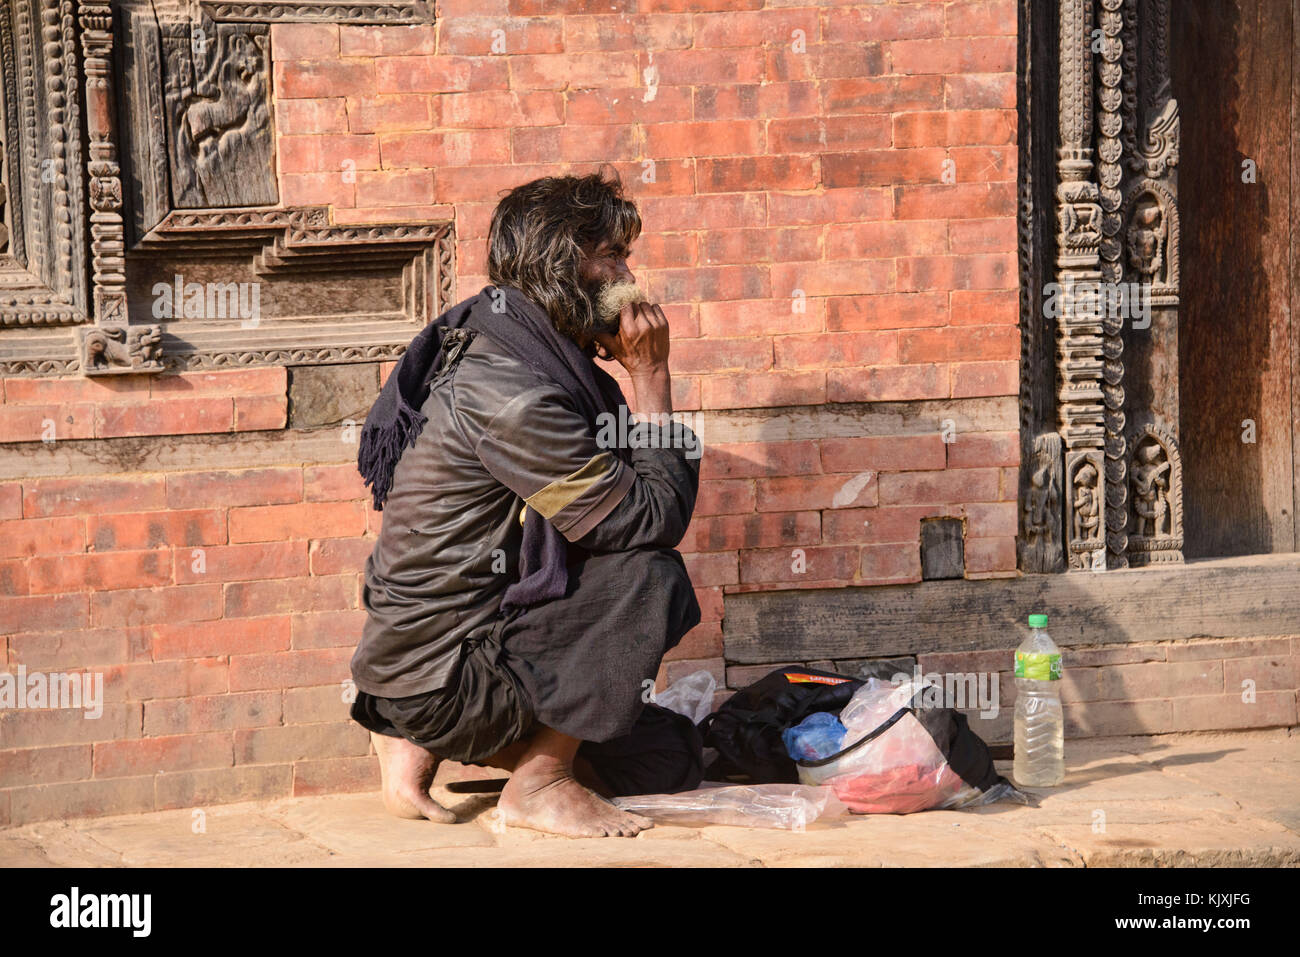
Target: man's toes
(432,810)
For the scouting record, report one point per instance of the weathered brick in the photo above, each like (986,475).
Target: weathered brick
(324,704)
(754,459)
(328,629)
(273,523)
(890,564)
(142,530)
(47,765)
(842,490)
(891,453)
(78,496)
(289,669)
(1103,718)
(990,554)
(1275,673)
(271,486)
(719,533)
(1198,649)
(1270,709)
(79,649)
(181,678)
(752,390)
(206,639)
(374,41)
(888,383)
(21,728)
(711,568)
(724,497)
(288,595)
(149,606)
(182,752)
(301,742)
(101,572)
(818,563)
(222,712)
(172,416)
(335,775)
(226,563)
(26,612)
(62,802)
(950,486)
(188,789)
(1139,681)
(42,536)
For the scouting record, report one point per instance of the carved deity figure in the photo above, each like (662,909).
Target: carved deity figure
(1146,238)
(1087,504)
(1040,504)
(1151,491)
(216,87)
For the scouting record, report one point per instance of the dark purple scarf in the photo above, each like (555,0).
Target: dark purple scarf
(525,332)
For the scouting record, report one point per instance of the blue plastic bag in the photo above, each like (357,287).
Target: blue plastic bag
(815,737)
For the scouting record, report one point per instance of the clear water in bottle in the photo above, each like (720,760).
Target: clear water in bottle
(1040,723)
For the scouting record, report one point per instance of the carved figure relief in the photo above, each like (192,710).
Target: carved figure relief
(216,87)
(1156,473)
(1152,238)
(1087,503)
(1041,543)
(121,349)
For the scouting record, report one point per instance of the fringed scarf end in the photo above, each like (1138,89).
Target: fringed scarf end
(382,446)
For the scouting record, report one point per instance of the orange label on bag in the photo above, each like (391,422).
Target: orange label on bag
(802,679)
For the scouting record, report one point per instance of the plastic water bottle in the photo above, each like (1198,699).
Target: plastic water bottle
(1040,723)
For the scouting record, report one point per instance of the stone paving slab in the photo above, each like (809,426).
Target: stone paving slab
(1169,800)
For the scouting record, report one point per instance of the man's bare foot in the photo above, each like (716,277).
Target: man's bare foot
(545,796)
(406,771)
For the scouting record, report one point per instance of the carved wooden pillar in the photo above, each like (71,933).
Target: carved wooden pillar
(110,346)
(1080,415)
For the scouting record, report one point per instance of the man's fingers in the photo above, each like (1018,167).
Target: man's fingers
(660,313)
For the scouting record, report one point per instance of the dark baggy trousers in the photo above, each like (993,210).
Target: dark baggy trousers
(583,665)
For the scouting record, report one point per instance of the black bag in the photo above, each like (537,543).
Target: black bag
(746,731)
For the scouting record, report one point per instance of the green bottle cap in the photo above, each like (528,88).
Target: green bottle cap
(1037,621)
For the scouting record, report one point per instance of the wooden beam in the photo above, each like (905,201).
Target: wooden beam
(1234,597)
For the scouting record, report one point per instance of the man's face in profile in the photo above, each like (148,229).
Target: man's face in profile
(609,284)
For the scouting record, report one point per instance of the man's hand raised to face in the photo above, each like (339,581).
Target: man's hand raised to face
(641,347)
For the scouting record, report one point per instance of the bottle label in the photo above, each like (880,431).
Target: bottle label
(1039,667)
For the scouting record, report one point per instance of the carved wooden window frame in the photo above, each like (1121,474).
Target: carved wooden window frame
(44,286)
(80,321)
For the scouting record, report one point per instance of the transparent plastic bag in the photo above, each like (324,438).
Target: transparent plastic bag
(899,771)
(691,695)
(790,807)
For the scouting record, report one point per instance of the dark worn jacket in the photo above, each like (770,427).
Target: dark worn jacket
(500,437)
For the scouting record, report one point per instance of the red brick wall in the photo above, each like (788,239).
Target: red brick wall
(831,219)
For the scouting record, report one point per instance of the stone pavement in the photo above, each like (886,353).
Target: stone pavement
(1189,799)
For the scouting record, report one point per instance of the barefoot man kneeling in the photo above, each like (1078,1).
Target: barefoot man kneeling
(525,585)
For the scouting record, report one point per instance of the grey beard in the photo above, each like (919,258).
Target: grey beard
(612,296)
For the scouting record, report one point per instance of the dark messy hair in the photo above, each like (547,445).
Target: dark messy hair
(539,232)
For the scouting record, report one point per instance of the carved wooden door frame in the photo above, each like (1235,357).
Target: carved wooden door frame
(1101,474)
